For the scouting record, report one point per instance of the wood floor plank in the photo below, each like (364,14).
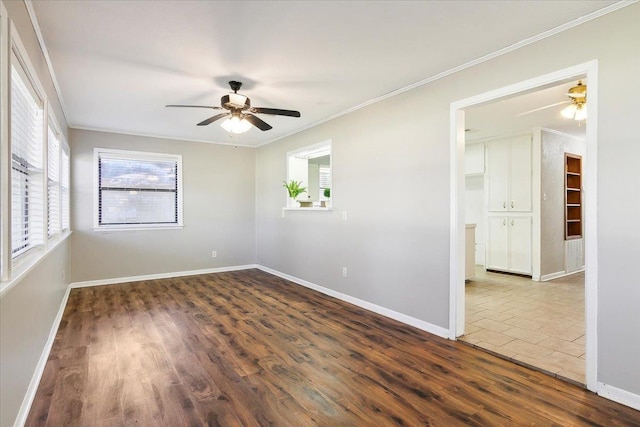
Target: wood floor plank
(247,348)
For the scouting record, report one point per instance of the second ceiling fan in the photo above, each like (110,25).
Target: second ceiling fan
(240,114)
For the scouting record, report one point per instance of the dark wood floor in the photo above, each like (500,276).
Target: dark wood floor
(247,348)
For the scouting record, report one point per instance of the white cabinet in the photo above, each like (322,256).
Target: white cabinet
(509,170)
(509,243)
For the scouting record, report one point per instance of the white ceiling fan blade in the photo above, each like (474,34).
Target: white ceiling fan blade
(542,108)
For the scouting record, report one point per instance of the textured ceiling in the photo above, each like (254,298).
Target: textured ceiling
(118,63)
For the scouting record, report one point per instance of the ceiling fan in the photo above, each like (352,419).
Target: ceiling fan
(240,114)
(577,101)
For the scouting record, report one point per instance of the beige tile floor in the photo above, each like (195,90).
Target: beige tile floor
(540,324)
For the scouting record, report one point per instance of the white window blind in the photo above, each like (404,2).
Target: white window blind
(138,189)
(53,183)
(27,183)
(64,188)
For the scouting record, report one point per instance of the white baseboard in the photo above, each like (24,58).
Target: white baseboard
(619,395)
(558,274)
(27,401)
(547,277)
(408,320)
(170,275)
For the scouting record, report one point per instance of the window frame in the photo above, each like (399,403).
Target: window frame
(309,150)
(136,155)
(13,53)
(65,203)
(20,62)
(54,232)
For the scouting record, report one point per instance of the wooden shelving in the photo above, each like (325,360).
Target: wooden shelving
(573,196)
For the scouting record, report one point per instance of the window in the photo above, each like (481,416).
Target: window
(27,183)
(138,190)
(64,188)
(36,164)
(53,183)
(310,166)
(324,182)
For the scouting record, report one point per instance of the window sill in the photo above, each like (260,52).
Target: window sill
(308,209)
(107,229)
(22,267)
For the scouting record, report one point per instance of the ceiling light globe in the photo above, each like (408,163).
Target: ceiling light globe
(570,111)
(236,125)
(581,113)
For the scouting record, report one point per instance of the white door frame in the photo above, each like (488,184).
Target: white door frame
(457,188)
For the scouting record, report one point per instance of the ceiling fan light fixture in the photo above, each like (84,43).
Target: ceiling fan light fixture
(236,125)
(237,100)
(576,111)
(570,111)
(578,91)
(581,113)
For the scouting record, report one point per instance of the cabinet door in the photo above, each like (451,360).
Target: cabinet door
(520,168)
(497,243)
(498,175)
(520,244)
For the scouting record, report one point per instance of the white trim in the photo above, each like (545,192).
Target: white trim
(45,53)
(566,135)
(408,320)
(619,395)
(151,135)
(27,401)
(497,137)
(457,224)
(312,208)
(136,227)
(591,231)
(116,280)
(293,153)
(558,274)
(136,155)
(5,147)
(549,33)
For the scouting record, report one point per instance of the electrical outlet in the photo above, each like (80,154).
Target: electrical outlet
(344,215)
(344,271)
(214,254)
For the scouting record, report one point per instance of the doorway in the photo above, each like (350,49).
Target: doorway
(457,255)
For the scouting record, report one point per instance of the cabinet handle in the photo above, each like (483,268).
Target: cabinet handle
(511,205)
(504,222)
(504,205)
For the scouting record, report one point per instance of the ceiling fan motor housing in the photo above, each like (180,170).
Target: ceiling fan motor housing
(234,100)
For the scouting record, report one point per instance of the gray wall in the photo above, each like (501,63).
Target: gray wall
(27,313)
(219,212)
(28,310)
(552,176)
(396,239)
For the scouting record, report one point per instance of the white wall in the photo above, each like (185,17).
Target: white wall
(396,239)
(219,211)
(29,308)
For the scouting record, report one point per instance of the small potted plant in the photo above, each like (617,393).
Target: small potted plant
(327,194)
(294,188)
